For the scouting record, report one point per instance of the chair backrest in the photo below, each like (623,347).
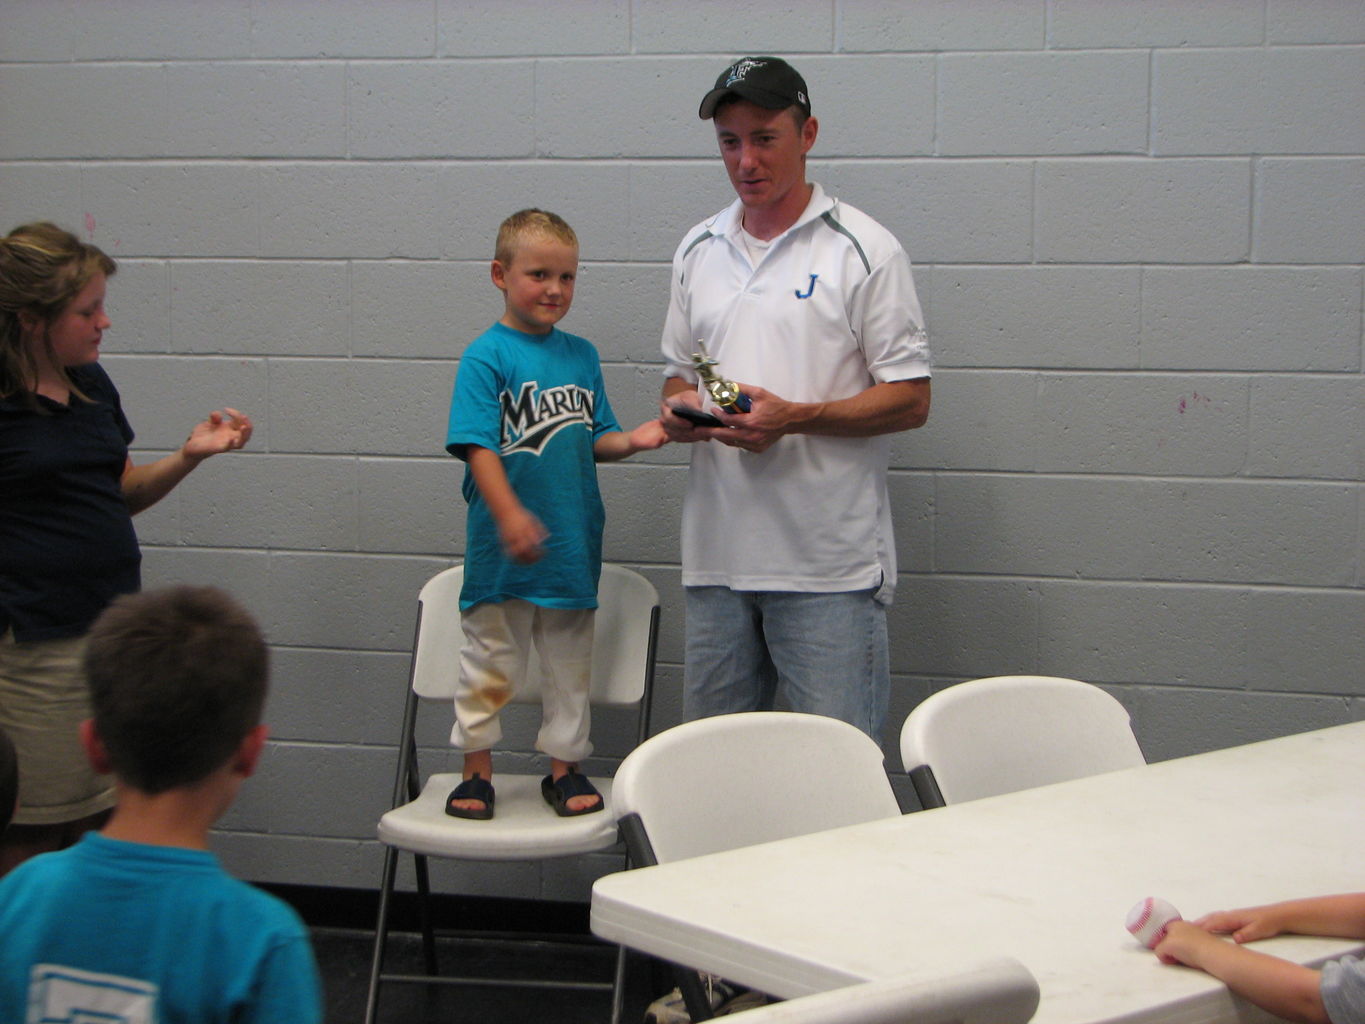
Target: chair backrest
(736,780)
(623,639)
(1006,733)
(999,991)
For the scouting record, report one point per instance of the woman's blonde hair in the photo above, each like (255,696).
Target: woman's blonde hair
(42,269)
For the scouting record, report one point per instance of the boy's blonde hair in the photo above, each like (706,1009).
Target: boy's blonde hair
(531,222)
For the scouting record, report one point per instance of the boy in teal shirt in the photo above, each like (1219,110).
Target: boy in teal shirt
(530,418)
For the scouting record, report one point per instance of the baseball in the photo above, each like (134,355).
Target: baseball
(1148,920)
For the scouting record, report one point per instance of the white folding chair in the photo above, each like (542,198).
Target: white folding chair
(524,827)
(998,991)
(1006,733)
(736,780)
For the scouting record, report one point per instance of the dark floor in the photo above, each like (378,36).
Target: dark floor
(501,938)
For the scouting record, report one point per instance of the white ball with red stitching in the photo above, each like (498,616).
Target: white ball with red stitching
(1149,920)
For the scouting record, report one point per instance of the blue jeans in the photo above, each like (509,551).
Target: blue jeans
(827,653)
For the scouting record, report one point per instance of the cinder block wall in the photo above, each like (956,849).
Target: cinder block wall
(1139,230)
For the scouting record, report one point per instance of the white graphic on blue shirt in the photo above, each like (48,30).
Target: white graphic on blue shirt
(65,995)
(530,420)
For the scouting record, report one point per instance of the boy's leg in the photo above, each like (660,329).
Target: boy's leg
(492,659)
(564,643)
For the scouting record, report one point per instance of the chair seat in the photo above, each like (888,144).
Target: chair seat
(523,825)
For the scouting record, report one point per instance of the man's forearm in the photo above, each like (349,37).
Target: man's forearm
(884,408)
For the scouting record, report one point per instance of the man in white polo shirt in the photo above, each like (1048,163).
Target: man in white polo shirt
(808,304)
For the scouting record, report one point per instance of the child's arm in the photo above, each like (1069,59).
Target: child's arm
(1341,916)
(1285,989)
(522,534)
(620,444)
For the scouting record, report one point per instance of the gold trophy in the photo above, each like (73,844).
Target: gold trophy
(725,393)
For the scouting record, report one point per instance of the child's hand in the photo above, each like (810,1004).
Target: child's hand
(648,436)
(1245,925)
(1185,943)
(523,536)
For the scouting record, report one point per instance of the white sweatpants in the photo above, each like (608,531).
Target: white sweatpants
(499,637)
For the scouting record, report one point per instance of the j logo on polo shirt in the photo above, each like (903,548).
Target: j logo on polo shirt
(810,288)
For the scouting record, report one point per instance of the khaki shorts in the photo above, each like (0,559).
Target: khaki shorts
(43,700)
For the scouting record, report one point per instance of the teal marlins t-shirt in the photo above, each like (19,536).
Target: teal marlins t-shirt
(539,401)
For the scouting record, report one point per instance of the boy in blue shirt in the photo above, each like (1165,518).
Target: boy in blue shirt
(138,922)
(530,417)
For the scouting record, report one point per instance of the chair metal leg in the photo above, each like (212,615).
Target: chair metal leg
(618,986)
(694,994)
(381,933)
(424,914)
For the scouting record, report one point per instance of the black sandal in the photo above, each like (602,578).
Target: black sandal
(557,793)
(474,788)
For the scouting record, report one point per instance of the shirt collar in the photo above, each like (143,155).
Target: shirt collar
(730,220)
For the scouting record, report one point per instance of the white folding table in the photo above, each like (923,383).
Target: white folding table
(1044,875)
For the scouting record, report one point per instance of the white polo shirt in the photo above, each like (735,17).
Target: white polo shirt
(830,310)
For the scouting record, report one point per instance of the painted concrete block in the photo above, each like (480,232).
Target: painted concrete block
(48,113)
(1158,424)
(964,626)
(934,25)
(1192,531)
(1176,722)
(622,108)
(173,209)
(342,601)
(40,191)
(1028,316)
(340,697)
(1310,427)
(1251,318)
(162,416)
(985,420)
(1257,101)
(155,29)
(312,29)
(1043,103)
(841,88)
(416,109)
(943,211)
(1310,210)
(1156,23)
(665,200)
(257,307)
(1314,21)
(786,27)
(420,309)
(491,28)
(299,502)
(389,407)
(411,506)
(248,109)
(1146,211)
(138,302)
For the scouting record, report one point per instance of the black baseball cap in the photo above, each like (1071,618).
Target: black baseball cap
(768,81)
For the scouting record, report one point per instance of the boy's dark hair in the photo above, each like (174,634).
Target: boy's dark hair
(177,679)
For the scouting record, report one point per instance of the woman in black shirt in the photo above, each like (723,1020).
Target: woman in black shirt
(68,490)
